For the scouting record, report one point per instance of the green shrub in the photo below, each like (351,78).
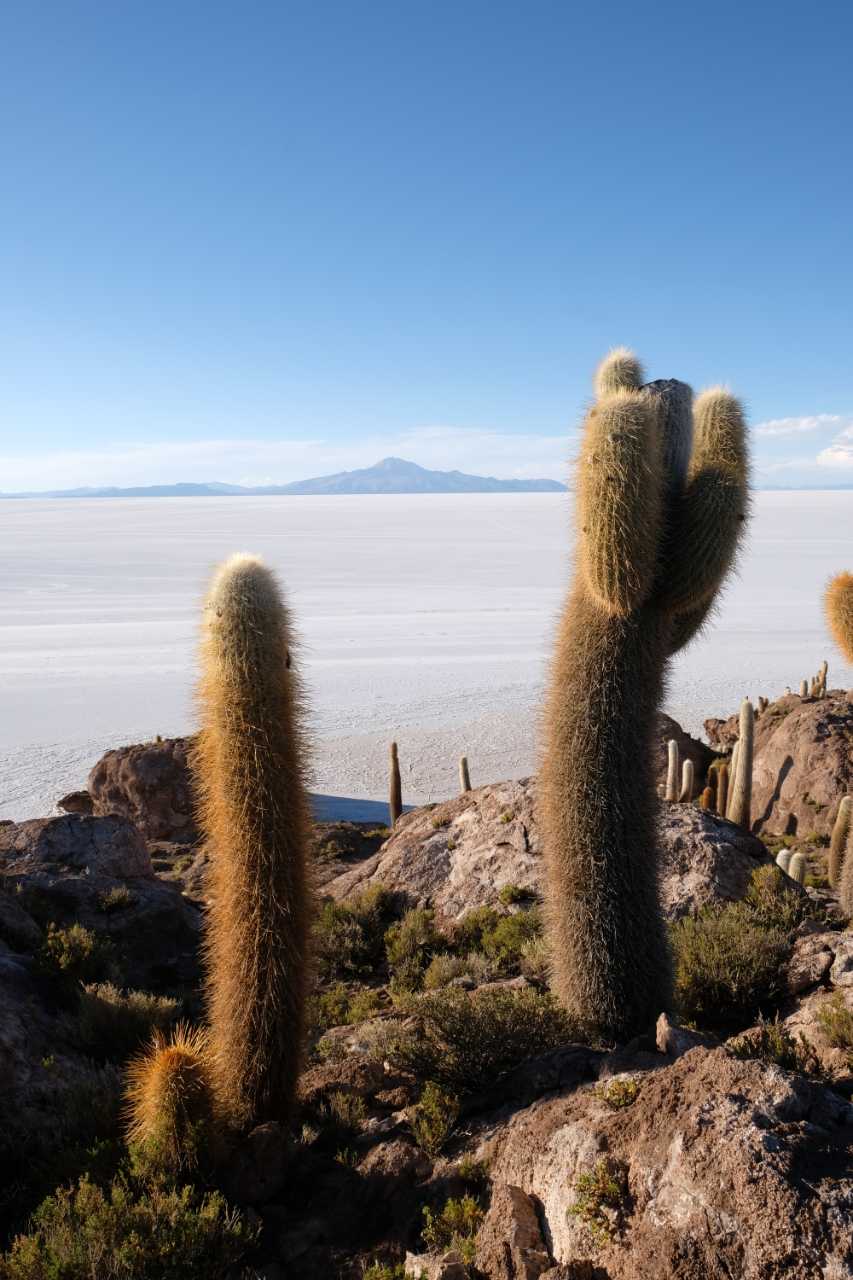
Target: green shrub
(433,1118)
(340,1117)
(513,893)
(111,1023)
(455,1227)
(468,932)
(330,1008)
(535,960)
(410,945)
(442,969)
(384,1271)
(836,1023)
(348,936)
(601,1198)
(129,1232)
(618,1094)
(773,1042)
(363,1004)
(466,1040)
(728,968)
(504,942)
(774,903)
(74,954)
(119,898)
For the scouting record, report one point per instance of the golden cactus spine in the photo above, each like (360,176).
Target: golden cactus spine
(464,775)
(395,787)
(255,817)
(169,1101)
(741,793)
(838,840)
(838,603)
(686,792)
(659,516)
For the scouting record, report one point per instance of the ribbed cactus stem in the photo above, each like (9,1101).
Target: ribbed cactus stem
(822,677)
(686,781)
(672,762)
(732,771)
(804,688)
(722,789)
(706,800)
(783,859)
(741,801)
(797,868)
(169,1100)
(395,787)
(838,840)
(845,878)
(464,775)
(255,816)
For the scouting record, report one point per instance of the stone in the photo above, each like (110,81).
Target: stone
(76,802)
(108,846)
(509,1242)
(675,1041)
(841,972)
(256,1170)
(150,784)
(810,961)
(426,1266)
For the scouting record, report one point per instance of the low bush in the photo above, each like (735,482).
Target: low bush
(601,1198)
(466,1040)
(349,936)
(618,1094)
(773,1042)
(111,1024)
(74,954)
(410,945)
(836,1022)
(119,898)
(774,903)
(455,1227)
(433,1118)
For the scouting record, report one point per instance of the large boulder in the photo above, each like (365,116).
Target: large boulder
(150,784)
(803,762)
(98,846)
(719,1168)
(460,854)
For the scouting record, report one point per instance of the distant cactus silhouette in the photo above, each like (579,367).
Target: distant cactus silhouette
(839,612)
(722,789)
(838,840)
(672,762)
(797,868)
(464,775)
(741,792)
(659,516)
(686,792)
(169,1098)
(254,812)
(783,859)
(395,787)
(822,675)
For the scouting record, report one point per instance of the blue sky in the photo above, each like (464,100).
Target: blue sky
(258,241)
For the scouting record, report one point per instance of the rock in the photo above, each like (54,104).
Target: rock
(149,784)
(509,1242)
(425,1266)
(713,1157)
(359,1076)
(460,854)
(675,1041)
(806,1021)
(803,762)
(99,846)
(17,927)
(256,1170)
(810,961)
(841,973)
(398,1160)
(76,802)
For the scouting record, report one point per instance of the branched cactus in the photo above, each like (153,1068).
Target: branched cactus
(395,787)
(686,781)
(464,775)
(661,501)
(671,792)
(169,1097)
(838,840)
(255,816)
(797,868)
(741,792)
(839,612)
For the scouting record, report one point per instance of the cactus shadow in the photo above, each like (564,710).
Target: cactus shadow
(351,809)
(787,766)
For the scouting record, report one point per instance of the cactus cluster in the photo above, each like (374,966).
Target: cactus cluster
(662,496)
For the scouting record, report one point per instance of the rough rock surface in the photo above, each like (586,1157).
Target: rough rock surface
(99,846)
(731,1168)
(509,1243)
(803,761)
(460,854)
(149,783)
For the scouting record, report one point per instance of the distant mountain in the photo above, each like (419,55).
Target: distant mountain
(391,475)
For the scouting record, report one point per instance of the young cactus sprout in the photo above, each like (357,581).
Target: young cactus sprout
(170,1100)
(661,500)
(464,776)
(838,840)
(395,787)
(797,868)
(671,793)
(686,781)
(783,859)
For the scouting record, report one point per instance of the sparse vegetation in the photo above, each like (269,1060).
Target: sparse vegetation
(119,898)
(410,945)
(773,1042)
(454,1227)
(349,936)
(75,954)
(601,1199)
(618,1093)
(836,1023)
(433,1118)
(111,1023)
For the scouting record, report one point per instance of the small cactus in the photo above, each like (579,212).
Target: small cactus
(732,771)
(845,879)
(464,775)
(822,675)
(706,800)
(671,792)
(838,840)
(169,1100)
(839,612)
(797,868)
(783,858)
(722,799)
(395,788)
(804,688)
(686,781)
(741,796)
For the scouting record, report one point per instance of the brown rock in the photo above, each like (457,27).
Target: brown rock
(509,1243)
(398,1160)
(99,846)
(810,961)
(149,784)
(256,1168)
(703,860)
(675,1041)
(76,802)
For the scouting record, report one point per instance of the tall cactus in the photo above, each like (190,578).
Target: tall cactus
(783,859)
(839,612)
(659,517)
(722,789)
(255,816)
(686,792)
(395,787)
(732,773)
(845,878)
(741,792)
(671,791)
(464,775)
(838,840)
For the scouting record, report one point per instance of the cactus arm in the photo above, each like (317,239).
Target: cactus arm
(688,625)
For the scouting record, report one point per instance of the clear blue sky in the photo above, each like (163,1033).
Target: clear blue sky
(261,240)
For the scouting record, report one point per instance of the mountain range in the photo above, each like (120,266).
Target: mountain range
(391,475)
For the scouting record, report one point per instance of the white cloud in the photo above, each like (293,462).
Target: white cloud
(797,426)
(252,462)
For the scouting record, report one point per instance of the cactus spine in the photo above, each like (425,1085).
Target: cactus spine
(797,868)
(722,789)
(395,787)
(464,775)
(255,816)
(671,792)
(741,798)
(839,612)
(845,879)
(659,517)
(838,840)
(686,781)
(783,859)
(169,1099)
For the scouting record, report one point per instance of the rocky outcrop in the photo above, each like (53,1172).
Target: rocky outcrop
(97,846)
(719,1168)
(460,854)
(803,761)
(149,784)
